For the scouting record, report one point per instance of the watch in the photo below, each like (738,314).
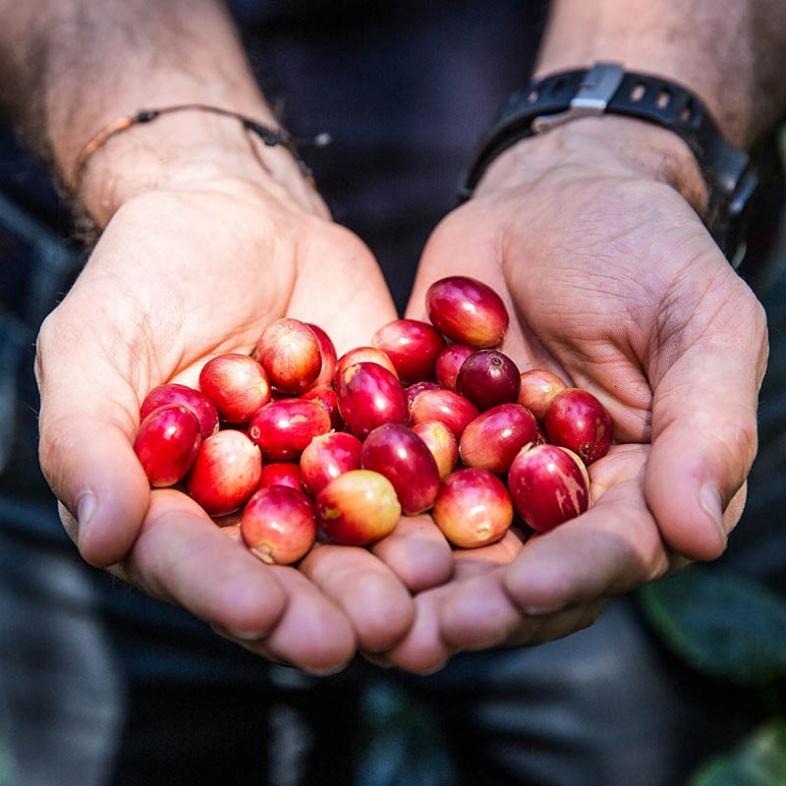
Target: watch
(730,173)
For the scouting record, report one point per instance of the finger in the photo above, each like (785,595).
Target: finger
(480,613)
(181,557)
(704,418)
(86,423)
(377,604)
(471,562)
(340,287)
(312,634)
(423,650)
(609,550)
(417,553)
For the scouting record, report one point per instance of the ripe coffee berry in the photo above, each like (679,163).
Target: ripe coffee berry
(493,439)
(538,388)
(488,378)
(226,472)
(278,525)
(549,485)
(368,396)
(445,406)
(576,420)
(358,508)
(327,351)
(167,443)
(289,352)
(236,384)
(283,428)
(328,456)
(441,442)
(449,363)
(473,508)
(403,458)
(412,347)
(467,311)
(197,402)
(281,473)
(363,355)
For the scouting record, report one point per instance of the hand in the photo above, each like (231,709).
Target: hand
(613,282)
(192,268)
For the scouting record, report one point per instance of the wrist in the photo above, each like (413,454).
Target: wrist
(608,144)
(183,149)
(706,45)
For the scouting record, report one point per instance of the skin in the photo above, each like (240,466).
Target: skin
(593,234)
(190,213)
(633,301)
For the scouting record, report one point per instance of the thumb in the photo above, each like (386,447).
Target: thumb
(87,421)
(704,420)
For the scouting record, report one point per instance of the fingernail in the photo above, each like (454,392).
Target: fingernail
(85,509)
(712,505)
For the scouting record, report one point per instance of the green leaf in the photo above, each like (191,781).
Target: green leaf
(759,761)
(721,624)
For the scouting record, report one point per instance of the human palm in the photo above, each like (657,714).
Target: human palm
(612,282)
(180,275)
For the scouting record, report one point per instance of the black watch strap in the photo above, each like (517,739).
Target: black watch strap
(608,88)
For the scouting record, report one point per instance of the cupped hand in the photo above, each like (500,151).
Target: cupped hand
(613,282)
(181,273)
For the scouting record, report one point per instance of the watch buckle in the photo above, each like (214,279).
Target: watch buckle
(597,88)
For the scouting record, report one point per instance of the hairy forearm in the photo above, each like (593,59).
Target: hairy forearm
(72,66)
(732,53)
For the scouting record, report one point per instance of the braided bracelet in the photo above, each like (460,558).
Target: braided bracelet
(269,136)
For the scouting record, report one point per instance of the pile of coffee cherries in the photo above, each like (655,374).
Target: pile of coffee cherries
(307,445)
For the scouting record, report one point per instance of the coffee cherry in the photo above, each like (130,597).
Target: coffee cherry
(327,398)
(414,390)
(488,378)
(403,458)
(289,351)
(173,393)
(278,525)
(441,442)
(167,443)
(225,473)
(327,352)
(368,396)
(363,355)
(236,384)
(493,439)
(467,311)
(538,388)
(283,428)
(412,347)
(473,508)
(449,363)
(281,473)
(549,485)
(327,457)
(576,420)
(358,508)
(445,406)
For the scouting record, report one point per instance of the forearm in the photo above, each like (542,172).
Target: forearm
(76,65)
(732,53)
